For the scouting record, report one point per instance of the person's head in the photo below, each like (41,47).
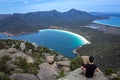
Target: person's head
(91,59)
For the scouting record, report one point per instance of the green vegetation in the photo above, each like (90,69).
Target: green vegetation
(61,74)
(27,67)
(110,71)
(116,78)
(3,65)
(4,76)
(104,47)
(75,63)
(19,23)
(106,54)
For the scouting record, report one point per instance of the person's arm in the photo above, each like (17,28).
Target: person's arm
(83,69)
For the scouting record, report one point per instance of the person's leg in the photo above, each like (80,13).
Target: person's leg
(85,59)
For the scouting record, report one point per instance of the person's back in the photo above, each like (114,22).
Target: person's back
(89,68)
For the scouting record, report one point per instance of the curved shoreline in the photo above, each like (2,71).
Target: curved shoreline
(77,35)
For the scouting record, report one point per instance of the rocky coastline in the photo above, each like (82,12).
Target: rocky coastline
(104,28)
(8,34)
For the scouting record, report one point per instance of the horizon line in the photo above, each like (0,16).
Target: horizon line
(54,10)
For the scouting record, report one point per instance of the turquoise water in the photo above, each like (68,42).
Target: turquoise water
(112,21)
(61,41)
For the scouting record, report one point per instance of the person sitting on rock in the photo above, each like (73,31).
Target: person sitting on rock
(89,68)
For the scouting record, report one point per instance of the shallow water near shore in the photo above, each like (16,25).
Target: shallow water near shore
(61,41)
(112,21)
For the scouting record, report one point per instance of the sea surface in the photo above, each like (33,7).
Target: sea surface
(61,41)
(112,21)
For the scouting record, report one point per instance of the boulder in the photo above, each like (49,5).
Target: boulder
(23,77)
(45,55)
(50,59)
(10,64)
(59,57)
(4,52)
(118,73)
(64,63)
(35,45)
(112,76)
(29,59)
(66,69)
(12,50)
(22,46)
(77,75)
(47,71)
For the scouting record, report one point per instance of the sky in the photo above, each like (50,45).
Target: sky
(24,6)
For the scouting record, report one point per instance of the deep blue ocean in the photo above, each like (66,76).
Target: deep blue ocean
(112,21)
(61,41)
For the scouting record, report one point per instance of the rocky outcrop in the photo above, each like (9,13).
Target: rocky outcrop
(22,46)
(48,71)
(77,75)
(64,66)
(23,77)
(50,59)
(13,53)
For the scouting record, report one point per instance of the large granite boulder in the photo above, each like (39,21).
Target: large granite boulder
(50,59)
(12,50)
(64,66)
(23,77)
(22,46)
(29,59)
(47,71)
(77,75)
(64,63)
(4,52)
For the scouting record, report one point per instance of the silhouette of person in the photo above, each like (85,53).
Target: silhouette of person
(89,68)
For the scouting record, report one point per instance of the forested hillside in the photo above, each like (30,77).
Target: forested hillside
(32,22)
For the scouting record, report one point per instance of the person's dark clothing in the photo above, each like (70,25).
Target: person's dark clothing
(90,69)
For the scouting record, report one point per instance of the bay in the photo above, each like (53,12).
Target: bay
(61,41)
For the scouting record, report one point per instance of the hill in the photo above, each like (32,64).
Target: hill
(105,47)
(3,16)
(32,22)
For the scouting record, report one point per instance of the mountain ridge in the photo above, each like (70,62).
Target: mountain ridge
(33,21)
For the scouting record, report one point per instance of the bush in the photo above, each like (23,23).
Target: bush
(116,79)
(110,71)
(3,66)
(4,76)
(27,67)
(61,74)
(5,58)
(75,63)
